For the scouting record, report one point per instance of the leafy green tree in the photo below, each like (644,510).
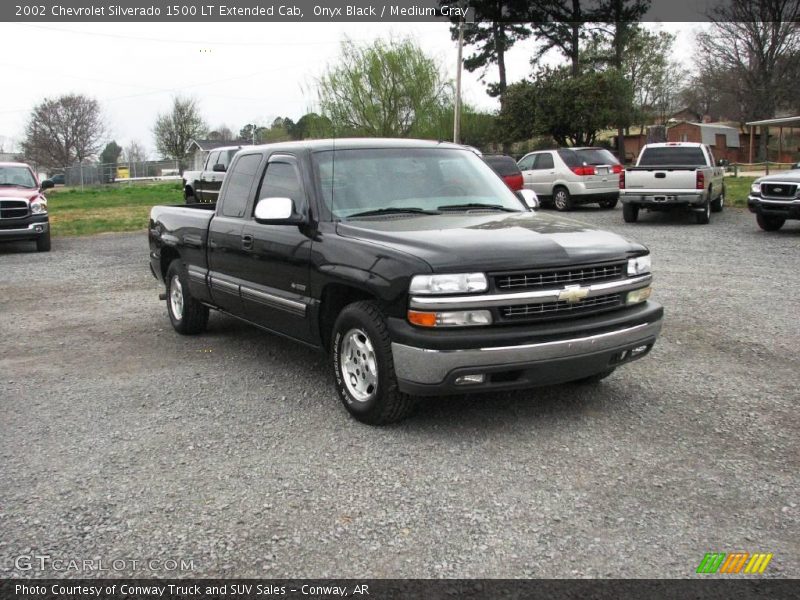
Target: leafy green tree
(311,125)
(570,109)
(111,153)
(388,89)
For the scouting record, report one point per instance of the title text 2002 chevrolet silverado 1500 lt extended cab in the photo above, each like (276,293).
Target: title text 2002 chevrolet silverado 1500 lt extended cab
(413,264)
(673,175)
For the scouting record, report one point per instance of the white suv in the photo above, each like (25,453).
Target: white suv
(572,176)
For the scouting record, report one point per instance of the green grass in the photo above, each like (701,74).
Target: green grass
(101,209)
(736,190)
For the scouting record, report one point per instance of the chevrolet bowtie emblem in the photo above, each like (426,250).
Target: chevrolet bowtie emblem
(573,294)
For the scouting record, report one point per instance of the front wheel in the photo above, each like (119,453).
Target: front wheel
(562,199)
(363,368)
(43,242)
(769,223)
(630,212)
(187,315)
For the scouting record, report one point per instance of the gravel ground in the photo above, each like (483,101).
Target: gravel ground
(123,440)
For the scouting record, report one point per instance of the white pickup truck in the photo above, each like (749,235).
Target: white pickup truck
(673,175)
(204,185)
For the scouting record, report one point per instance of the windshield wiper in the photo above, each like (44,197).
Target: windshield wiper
(471,205)
(394,211)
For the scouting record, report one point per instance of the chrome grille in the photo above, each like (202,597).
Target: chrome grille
(561,308)
(559,277)
(13,209)
(779,190)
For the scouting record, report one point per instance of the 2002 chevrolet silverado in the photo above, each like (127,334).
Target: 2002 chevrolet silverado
(413,264)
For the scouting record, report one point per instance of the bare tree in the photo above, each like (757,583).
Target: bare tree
(756,44)
(223,133)
(63,130)
(174,130)
(134,152)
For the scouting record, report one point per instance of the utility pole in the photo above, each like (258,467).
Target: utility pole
(457,107)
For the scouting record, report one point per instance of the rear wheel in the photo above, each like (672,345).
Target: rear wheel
(630,212)
(562,199)
(187,315)
(363,368)
(43,242)
(769,223)
(719,203)
(608,203)
(703,216)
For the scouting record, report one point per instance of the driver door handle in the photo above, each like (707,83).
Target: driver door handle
(247,242)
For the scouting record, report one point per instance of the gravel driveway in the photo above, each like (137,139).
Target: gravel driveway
(123,440)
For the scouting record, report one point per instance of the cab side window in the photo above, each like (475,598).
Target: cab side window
(211,160)
(239,182)
(283,181)
(526,164)
(225,158)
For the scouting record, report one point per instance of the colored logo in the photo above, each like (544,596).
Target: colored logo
(737,562)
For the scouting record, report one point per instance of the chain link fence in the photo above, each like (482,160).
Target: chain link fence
(97,174)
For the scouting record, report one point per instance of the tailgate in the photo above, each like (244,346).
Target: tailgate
(661,179)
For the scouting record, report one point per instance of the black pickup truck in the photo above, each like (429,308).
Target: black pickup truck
(412,264)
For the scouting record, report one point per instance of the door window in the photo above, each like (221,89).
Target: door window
(526,164)
(212,160)
(283,181)
(544,161)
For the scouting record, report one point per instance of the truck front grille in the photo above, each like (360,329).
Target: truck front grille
(560,308)
(779,190)
(559,277)
(13,209)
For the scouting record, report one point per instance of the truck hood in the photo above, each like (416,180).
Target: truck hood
(22,193)
(792,176)
(493,241)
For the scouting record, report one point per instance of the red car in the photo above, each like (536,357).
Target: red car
(23,206)
(507,168)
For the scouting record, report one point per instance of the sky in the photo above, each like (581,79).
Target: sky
(239,72)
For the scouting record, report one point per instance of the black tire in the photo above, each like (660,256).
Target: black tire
(43,242)
(703,217)
(188,195)
(769,223)
(630,212)
(609,204)
(562,201)
(193,316)
(718,203)
(596,377)
(382,402)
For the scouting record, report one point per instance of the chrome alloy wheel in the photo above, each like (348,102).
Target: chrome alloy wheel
(560,200)
(176,297)
(358,365)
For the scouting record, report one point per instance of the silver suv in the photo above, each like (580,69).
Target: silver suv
(571,176)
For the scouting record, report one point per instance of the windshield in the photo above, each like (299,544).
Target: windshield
(413,180)
(17,177)
(673,156)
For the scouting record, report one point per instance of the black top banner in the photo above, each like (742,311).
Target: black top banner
(327,11)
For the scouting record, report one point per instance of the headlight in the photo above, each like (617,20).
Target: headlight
(639,265)
(458,283)
(38,207)
(459,318)
(755,188)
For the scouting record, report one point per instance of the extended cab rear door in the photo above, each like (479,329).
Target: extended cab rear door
(227,248)
(276,293)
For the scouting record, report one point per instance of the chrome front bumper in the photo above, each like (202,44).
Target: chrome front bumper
(421,367)
(30,231)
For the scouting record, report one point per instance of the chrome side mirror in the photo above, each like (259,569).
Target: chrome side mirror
(277,211)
